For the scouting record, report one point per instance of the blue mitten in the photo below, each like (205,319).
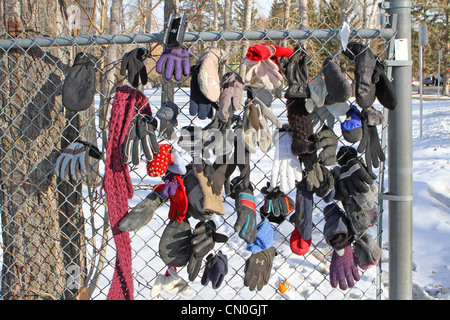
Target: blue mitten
(264,237)
(352,127)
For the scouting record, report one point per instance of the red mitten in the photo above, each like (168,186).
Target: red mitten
(161,160)
(299,245)
(178,202)
(260,52)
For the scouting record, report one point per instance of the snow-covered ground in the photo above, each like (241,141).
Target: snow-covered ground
(308,275)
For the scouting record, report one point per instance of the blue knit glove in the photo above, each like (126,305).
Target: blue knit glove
(264,237)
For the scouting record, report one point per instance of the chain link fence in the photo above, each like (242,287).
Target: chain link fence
(56,240)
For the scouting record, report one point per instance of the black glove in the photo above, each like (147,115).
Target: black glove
(354,178)
(276,203)
(245,205)
(296,72)
(216,268)
(175,246)
(133,65)
(204,236)
(257,269)
(80,83)
(365,62)
(140,138)
(337,231)
(370,142)
(384,89)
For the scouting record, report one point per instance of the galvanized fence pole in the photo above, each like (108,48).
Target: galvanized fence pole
(400,161)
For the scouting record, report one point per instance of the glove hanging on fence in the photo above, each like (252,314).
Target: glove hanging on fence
(143,212)
(301,125)
(300,238)
(140,139)
(212,202)
(352,127)
(277,205)
(231,95)
(208,74)
(74,159)
(286,168)
(366,252)
(338,87)
(174,63)
(296,72)
(264,237)
(343,270)
(326,140)
(370,142)
(257,269)
(216,268)
(133,67)
(167,115)
(266,70)
(245,205)
(199,104)
(161,161)
(337,231)
(384,89)
(79,86)
(175,246)
(195,197)
(365,63)
(204,237)
(171,283)
(264,51)
(174,189)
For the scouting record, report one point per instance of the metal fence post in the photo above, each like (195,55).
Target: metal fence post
(400,161)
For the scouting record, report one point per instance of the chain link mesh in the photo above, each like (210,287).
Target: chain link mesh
(56,240)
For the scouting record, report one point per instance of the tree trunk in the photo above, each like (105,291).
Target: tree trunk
(41,217)
(303,13)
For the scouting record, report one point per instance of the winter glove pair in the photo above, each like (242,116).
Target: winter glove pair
(295,69)
(257,269)
(204,237)
(174,63)
(171,283)
(140,138)
(245,205)
(231,95)
(80,83)
(133,66)
(286,168)
(265,51)
(216,268)
(74,159)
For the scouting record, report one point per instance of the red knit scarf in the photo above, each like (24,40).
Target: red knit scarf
(118,187)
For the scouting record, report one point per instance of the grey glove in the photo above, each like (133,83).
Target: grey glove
(257,269)
(167,115)
(326,140)
(366,252)
(231,95)
(140,138)
(75,159)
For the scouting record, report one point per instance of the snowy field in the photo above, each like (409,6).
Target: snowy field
(308,275)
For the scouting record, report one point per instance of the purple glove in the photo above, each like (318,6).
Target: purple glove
(170,186)
(343,269)
(174,62)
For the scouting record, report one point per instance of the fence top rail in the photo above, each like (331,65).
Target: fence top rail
(24,43)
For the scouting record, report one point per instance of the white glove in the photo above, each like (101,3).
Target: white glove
(266,70)
(286,167)
(171,282)
(75,159)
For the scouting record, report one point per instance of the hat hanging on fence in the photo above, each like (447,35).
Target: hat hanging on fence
(79,85)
